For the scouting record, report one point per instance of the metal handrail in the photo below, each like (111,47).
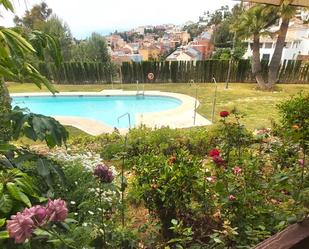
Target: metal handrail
(215,99)
(123,115)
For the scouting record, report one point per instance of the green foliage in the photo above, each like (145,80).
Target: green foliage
(295,119)
(16,190)
(167,185)
(34,18)
(94,49)
(38,127)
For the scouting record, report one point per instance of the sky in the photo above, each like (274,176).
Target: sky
(105,16)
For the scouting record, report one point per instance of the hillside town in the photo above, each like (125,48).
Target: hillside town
(170,42)
(165,42)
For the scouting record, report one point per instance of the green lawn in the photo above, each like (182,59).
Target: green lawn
(259,107)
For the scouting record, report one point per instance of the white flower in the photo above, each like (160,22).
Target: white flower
(73,202)
(90,212)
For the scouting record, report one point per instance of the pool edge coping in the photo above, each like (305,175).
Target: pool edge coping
(178,117)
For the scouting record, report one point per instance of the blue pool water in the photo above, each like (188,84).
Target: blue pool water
(104,109)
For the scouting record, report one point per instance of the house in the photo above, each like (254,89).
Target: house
(296,46)
(185,54)
(115,41)
(203,44)
(150,52)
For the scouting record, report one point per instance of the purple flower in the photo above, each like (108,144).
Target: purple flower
(20,227)
(103,173)
(56,210)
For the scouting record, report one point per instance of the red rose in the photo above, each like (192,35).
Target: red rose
(214,152)
(218,160)
(224,114)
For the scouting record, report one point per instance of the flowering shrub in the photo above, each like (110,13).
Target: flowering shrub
(21,226)
(167,186)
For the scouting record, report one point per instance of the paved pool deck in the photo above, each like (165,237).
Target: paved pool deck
(179,117)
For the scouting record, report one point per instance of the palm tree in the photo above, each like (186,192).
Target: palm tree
(286,12)
(255,22)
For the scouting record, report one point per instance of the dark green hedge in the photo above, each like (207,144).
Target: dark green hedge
(175,71)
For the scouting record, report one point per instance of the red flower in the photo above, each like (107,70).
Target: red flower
(224,114)
(171,160)
(214,152)
(218,160)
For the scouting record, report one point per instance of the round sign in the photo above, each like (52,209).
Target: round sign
(150,76)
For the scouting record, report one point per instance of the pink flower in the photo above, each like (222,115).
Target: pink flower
(211,179)
(301,162)
(214,152)
(56,210)
(37,213)
(218,160)
(232,198)
(224,114)
(237,170)
(20,227)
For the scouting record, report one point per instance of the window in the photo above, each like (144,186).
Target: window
(266,57)
(268,44)
(261,45)
(295,44)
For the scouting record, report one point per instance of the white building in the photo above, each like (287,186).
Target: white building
(297,43)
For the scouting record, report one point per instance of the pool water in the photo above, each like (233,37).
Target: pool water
(104,109)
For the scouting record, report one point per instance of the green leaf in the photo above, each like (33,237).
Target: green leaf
(4,235)
(43,168)
(1,188)
(17,194)
(2,222)
(6,148)
(6,204)
(217,240)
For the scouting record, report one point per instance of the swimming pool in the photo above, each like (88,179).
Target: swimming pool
(104,109)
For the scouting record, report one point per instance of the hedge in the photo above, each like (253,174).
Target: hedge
(175,71)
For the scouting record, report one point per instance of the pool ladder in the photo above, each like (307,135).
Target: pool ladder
(138,92)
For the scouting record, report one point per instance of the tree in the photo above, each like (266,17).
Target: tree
(255,22)
(93,49)
(34,18)
(286,12)
(57,28)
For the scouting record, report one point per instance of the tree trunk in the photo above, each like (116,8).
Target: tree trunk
(166,215)
(256,63)
(275,62)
